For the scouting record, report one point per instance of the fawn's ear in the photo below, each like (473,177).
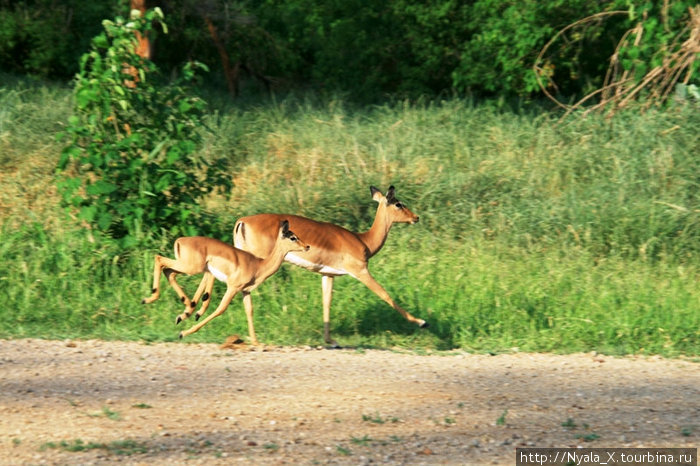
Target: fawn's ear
(284,226)
(376,194)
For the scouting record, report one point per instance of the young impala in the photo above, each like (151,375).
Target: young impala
(334,251)
(240,270)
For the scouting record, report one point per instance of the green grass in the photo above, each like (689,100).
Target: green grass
(117,447)
(377,419)
(108,413)
(362,441)
(542,237)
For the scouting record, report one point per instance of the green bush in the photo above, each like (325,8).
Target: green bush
(132,167)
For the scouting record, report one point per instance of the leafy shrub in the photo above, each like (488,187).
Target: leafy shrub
(131,167)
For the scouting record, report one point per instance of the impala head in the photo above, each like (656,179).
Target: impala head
(292,241)
(397,211)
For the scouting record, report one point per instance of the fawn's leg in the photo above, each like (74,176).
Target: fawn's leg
(206,298)
(225,301)
(170,268)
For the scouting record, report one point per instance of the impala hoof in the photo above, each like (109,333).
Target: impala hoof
(196,317)
(424,325)
(143,301)
(181,335)
(178,320)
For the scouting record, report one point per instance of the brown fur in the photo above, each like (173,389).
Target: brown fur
(334,250)
(243,271)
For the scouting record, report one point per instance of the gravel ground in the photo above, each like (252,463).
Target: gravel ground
(99,402)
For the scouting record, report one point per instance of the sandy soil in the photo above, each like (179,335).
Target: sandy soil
(185,403)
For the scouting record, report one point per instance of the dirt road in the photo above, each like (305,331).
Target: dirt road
(96,402)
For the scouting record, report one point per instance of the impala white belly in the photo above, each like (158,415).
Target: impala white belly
(320,268)
(218,274)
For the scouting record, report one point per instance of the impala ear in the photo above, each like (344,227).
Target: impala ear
(390,195)
(376,194)
(284,226)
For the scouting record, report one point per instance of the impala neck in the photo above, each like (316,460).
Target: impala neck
(271,263)
(376,236)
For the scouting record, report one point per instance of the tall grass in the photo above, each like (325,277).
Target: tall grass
(31,113)
(627,186)
(542,237)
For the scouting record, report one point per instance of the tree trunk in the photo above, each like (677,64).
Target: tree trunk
(231,74)
(143,45)
(143,49)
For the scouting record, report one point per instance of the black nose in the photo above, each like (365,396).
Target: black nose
(416,220)
(307,247)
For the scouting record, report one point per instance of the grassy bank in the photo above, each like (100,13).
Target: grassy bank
(577,237)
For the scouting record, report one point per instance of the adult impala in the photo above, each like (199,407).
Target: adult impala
(240,270)
(334,251)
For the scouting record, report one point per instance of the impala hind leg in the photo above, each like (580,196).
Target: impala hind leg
(155,290)
(373,285)
(327,289)
(170,268)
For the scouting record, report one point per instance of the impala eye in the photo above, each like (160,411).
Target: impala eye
(399,205)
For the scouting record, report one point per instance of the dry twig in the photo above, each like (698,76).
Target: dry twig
(619,87)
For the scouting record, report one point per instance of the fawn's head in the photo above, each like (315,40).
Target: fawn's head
(290,240)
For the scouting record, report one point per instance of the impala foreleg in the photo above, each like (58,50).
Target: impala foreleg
(191,305)
(208,281)
(248,305)
(226,300)
(373,285)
